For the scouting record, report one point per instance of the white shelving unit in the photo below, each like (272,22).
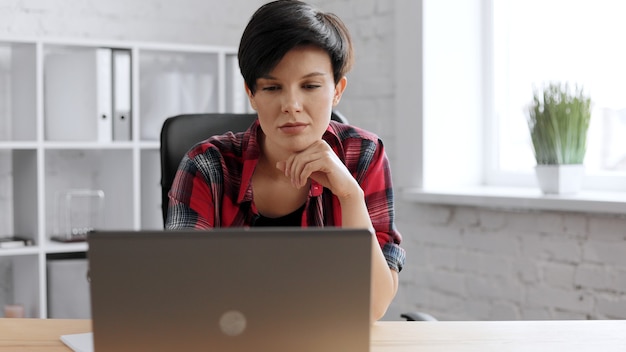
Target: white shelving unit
(167,79)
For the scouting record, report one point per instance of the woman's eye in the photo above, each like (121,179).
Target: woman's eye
(311,86)
(270,88)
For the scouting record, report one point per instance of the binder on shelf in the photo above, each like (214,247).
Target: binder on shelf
(122,106)
(78,100)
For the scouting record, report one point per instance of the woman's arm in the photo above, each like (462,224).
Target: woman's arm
(320,163)
(354,214)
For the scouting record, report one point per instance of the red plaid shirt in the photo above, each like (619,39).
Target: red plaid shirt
(212,187)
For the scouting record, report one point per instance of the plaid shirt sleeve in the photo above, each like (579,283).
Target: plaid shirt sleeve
(205,191)
(377,187)
(365,156)
(191,199)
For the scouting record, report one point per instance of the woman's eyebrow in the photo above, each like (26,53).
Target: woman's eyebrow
(309,75)
(314,74)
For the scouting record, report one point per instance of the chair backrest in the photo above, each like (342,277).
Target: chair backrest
(180,133)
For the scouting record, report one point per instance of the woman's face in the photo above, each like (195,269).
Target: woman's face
(294,101)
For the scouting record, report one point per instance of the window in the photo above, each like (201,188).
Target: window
(461,88)
(537,41)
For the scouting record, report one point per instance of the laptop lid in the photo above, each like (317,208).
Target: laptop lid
(256,289)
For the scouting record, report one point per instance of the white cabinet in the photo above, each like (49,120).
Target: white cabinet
(54,96)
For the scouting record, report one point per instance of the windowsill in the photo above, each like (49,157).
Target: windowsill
(521,198)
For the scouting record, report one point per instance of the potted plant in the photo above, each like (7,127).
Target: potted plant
(558,119)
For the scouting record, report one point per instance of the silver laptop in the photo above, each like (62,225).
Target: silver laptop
(257,289)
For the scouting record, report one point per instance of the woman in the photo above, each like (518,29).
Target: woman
(294,166)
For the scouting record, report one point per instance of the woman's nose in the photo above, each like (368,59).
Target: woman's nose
(291,102)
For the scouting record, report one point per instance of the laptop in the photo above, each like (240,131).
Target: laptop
(254,289)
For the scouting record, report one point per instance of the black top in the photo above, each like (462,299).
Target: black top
(292,219)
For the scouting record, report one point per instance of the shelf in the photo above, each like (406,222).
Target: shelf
(88,145)
(18,145)
(521,199)
(29,250)
(59,247)
(150,145)
(53,139)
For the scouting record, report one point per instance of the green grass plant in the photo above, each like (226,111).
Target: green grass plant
(558,119)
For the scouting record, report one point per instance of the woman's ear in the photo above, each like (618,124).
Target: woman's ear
(340,87)
(250,97)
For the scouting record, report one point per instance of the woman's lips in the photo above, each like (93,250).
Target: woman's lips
(293,128)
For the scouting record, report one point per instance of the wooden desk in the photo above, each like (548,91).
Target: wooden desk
(510,336)
(500,336)
(38,334)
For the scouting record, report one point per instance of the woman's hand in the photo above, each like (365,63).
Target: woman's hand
(320,163)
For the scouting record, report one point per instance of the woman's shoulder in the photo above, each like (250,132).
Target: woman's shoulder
(346,132)
(228,144)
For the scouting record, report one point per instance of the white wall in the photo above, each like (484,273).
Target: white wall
(188,21)
(463,263)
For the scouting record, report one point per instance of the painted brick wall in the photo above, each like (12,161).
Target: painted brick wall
(463,263)
(187,21)
(470,263)
(369,99)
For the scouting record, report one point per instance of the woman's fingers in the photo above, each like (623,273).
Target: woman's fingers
(319,163)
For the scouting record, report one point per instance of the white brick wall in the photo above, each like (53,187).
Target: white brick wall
(368,100)
(189,21)
(468,263)
(463,263)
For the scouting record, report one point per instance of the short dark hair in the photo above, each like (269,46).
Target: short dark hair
(279,26)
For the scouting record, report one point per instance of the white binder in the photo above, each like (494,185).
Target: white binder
(122,105)
(78,96)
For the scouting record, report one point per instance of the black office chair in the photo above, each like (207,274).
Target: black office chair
(417,316)
(179,133)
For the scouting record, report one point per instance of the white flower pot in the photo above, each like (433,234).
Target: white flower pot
(560,179)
